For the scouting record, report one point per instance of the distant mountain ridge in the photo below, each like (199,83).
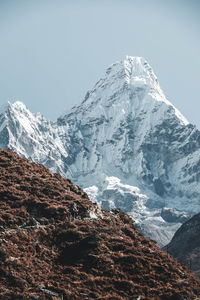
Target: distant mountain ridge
(126,145)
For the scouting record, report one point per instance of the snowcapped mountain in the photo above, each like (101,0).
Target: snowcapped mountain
(126,144)
(31,136)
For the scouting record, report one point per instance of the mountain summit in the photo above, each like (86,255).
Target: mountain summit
(126,145)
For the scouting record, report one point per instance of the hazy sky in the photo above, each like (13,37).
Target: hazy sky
(52,52)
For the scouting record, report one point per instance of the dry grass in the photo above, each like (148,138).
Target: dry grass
(103,258)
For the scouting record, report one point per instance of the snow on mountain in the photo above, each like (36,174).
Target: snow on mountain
(126,128)
(126,144)
(31,136)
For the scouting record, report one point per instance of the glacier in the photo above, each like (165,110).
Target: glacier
(125,144)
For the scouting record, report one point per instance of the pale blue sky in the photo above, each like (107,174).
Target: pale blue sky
(52,52)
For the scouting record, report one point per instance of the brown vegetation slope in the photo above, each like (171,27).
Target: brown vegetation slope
(185,245)
(44,255)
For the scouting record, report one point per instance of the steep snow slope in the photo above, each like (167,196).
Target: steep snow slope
(126,144)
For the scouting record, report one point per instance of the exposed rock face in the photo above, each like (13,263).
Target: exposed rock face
(126,144)
(44,254)
(185,245)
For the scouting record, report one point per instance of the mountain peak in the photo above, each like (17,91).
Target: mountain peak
(127,64)
(19,104)
(133,66)
(129,85)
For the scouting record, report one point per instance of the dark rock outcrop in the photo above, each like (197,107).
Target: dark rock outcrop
(185,245)
(44,254)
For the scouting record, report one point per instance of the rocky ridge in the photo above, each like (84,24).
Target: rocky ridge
(44,254)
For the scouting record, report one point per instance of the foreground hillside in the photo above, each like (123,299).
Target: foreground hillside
(185,245)
(44,254)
